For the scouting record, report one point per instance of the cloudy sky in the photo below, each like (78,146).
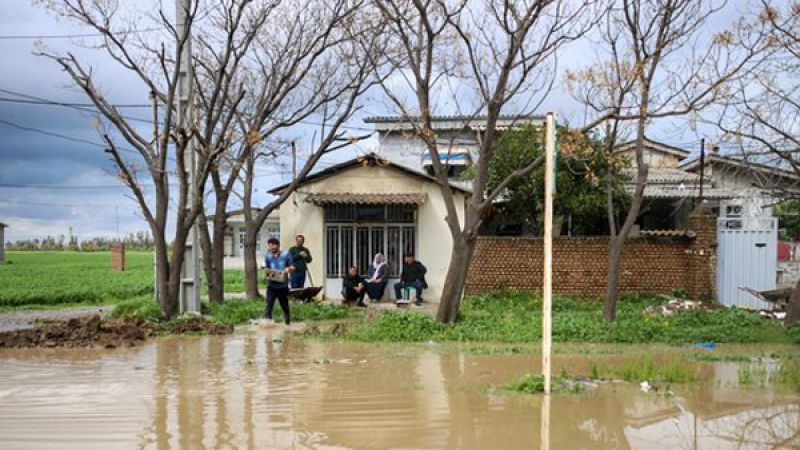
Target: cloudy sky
(54,175)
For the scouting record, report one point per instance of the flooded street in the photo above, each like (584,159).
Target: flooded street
(261,390)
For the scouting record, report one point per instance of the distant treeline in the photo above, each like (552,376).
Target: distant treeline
(133,241)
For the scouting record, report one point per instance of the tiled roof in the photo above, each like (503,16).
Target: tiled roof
(666,176)
(398,119)
(661,191)
(367,160)
(365,198)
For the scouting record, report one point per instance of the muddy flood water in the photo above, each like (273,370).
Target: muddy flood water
(260,389)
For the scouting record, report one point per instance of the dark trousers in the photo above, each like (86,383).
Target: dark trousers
(282,295)
(416,284)
(375,290)
(350,295)
(297,279)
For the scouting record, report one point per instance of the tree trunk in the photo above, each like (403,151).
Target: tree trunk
(251,262)
(612,281)
(216,283)
(205,246)
(793,309)
(455,280)
(213,245)
(166,300)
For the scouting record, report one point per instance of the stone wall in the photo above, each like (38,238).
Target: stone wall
(652,264)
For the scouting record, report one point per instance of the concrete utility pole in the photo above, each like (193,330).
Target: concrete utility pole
(189,299)
(547,282)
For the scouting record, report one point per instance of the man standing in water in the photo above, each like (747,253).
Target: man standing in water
(279,267)
(301,256)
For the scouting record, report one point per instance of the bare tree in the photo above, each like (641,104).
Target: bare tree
(316,65)
(303,64)
(502,53)
(664,64)
(762,114)
(142,43)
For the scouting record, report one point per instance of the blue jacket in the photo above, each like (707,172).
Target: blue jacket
(279,262)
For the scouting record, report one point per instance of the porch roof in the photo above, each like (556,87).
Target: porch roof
(366,198)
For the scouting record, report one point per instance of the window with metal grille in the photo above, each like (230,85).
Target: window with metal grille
(348,244)
(370,213)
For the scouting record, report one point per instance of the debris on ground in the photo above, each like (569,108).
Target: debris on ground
(93,331)
(772,314)
(674,304)
(778,297)
(708,344)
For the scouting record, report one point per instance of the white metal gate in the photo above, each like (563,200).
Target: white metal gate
(747,256)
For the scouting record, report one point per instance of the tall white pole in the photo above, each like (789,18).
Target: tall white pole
(190,276)
(547,282)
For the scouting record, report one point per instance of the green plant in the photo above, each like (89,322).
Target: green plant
(144,308)
(680,293)
(534,384)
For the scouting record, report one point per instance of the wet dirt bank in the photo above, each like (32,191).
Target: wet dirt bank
(94,331)
(260,388)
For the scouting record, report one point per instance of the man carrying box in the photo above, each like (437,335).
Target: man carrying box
(278,266)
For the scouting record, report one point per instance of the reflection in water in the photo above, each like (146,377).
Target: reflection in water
(255,390)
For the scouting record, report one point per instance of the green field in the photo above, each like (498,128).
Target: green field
(62,278)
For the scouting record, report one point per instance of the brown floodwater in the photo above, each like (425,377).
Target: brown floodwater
(260,389)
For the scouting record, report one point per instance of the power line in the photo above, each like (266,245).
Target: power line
(40,101)
(74,36)
(63,136)
(53,205)
(67,186)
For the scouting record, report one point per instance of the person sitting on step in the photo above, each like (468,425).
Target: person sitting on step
(412,276)
(378,277)
(353,287)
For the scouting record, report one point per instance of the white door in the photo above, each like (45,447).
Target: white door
(747,256)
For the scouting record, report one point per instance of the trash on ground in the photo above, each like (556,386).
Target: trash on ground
(674,304)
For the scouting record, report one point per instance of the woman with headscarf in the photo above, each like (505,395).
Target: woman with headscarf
(378,277)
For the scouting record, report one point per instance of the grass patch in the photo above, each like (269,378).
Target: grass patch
(53,278)
(788,374)
(514,317)
(144,308)
(534,384)
(45,280)
(677,370)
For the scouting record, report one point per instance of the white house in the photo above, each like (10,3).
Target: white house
(355,209)
(732,187)
(457,138)
(234,237)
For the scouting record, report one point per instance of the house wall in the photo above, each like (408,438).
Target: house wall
(653,158)
(753,202)
(580,264)
(407,150)
(234,251)
(433,237)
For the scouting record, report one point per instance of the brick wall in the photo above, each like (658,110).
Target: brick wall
(580,264)
(118,257)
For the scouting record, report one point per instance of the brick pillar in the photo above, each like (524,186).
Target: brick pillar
(118,257)
(702,267)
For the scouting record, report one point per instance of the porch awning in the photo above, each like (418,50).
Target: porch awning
(349,198)
(454,157)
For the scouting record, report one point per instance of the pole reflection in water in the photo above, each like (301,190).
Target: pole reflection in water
(259,389)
